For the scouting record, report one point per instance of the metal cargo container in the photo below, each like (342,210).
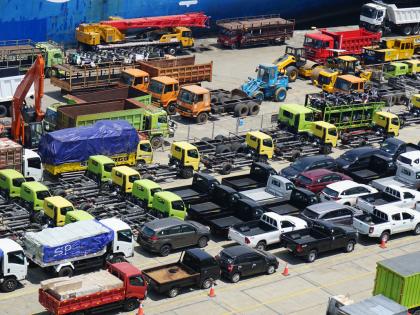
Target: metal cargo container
(398,278)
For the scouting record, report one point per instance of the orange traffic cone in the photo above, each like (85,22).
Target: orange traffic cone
(212,293)
(383,244)
(140,312)
(286,271)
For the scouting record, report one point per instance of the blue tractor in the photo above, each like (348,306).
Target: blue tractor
(269,84)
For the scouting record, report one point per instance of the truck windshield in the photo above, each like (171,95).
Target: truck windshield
(322,79)
(178,205)
(343,85)
(17,182)
(156,87)
(310,214)
(186,96)
(125,236)
(126,79)
(108,167)
(368,12)
(41,195)
(315,43)
(154,191)
(133,178)
(389,68)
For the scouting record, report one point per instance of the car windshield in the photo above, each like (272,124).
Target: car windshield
(186,96)
(304,180)
(299,165)
(147,231)
(389,147)
(368,12)
(330,192)
(310,214)
(348,156)
(156,87)
(108,167)
(41,195)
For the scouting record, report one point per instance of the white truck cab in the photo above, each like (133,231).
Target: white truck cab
(14,266)
(123,243)
(278,188)
(32,166)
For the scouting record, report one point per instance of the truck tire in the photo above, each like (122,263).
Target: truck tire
(416,230)
(156,142)
(220,138)
(171,51)
(280,94)
(326,149)
(222,148)
(65,272)
(384,236)
(416,29)
(3,111)
(226,168)
(165,250)
(241,110)
(173,292)
(406,30)
(254,109)
(206,284)
(202,118)
(292,73)
(131,304)
(261,245)
(235,277)
(259,96)
(202,242)
(171,108)
(9,285)
(350,246)
(187,172)
(312,256)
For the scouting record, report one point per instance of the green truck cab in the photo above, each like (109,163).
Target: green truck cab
(76,216)
(168,204)
(99,168)
(32,195)
(123,178)
(10,183)
(186,157)
(143,192)
(53,56)
(295,118)
(395,69)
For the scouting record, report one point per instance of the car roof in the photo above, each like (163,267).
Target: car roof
(164,223)
(362,151)
(343,185)
(394,141)
(313,174)
(324,207)
(238,250)
(315,158)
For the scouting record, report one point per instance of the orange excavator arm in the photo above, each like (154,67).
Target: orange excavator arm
(35,75)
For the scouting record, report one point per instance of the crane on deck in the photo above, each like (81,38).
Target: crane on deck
(26,119)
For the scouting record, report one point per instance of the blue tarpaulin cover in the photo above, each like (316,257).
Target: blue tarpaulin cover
(105,137)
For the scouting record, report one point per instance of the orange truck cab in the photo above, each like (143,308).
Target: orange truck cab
(194,102)
(136,78)
(348,83)
(164,90)
(126,296)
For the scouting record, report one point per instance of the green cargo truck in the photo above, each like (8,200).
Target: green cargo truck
(150,120)
(398,278)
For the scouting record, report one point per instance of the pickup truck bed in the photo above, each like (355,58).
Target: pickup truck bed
(168,273)
(186,193)
(379,199)
(198,210)
(225,222)
(243,183)
(370,219)
(282,208)
(254,228)
(304,236)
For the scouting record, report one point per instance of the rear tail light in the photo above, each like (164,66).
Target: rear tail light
(153,238)
(230,268)
(247,241)
(299,248)
(371,229)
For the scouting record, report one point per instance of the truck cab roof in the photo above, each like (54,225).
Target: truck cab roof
(34,186)
(199,254)
(165,80)
(126,268)
(167,195)
(8,245)
(115,224)
(295,108)
(136,72)
(195,89)
(11,173)
(59,201)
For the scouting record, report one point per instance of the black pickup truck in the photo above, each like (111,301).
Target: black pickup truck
(221,198)
(195,268)
(299,200)
(379,166)
(319,238)
(257,177)
(198,191)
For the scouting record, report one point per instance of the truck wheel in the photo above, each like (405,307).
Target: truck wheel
(3,111)
(312,256)
(261,245)
(254,109)
(207,284)
(202,242)
(173,292)
(226,169)
(280,94)
(234,46)
(271,269)
(202,118)
(416,29)
(171,109)
(65,272)
(172,51)
(156,142)
(165,250)
(406,30)
(241,110)
(187,173)
(417,229)
(9,285)
(294,156)
(292,73)
(220,138)
(384,237)
(350,246)
(235,277)
(259,96)
(326,149)
(131,304)
(222,148)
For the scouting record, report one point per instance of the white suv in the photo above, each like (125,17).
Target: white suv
(346,192)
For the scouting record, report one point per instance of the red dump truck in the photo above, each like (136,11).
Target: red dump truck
(324,44)
(123,286)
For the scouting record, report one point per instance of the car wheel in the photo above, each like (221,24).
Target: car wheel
(131,304)
(207,284)
(9,285)
(261,246)
(202,242)
(271,269)
(165,250)
(350,246)
(235,277)
(417,229)
(312,256)
(384,237)
(173,292)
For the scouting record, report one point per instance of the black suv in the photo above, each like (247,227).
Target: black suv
(242,261)
(356,159)
(163,235)
(308,163)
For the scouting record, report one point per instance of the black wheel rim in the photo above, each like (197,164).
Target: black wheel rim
(10,285)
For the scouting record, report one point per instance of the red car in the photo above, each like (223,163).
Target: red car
(316,180)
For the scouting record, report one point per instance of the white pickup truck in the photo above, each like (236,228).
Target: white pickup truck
(265,231)
(392,196)
(278,189)
(387,220)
